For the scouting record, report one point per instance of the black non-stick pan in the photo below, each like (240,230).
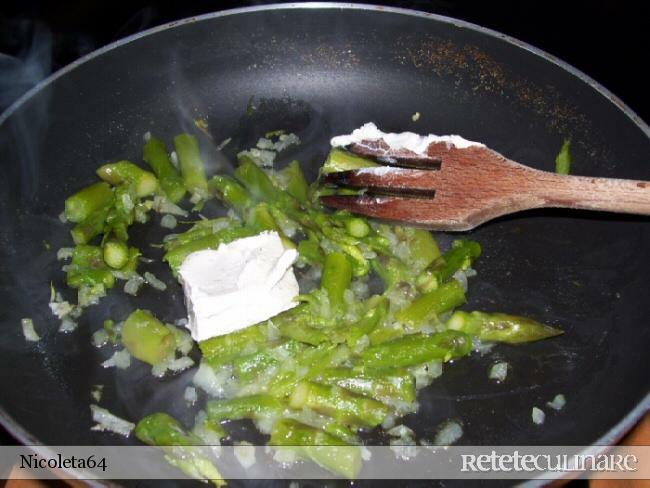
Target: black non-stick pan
(320,70)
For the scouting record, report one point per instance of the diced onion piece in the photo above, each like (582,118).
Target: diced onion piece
(214,383)
(558,403)
(64,253)
(28,330)
(190,395)
(448,434)
(538,416)
(499,371)
(133,284)
(106,421)
(67,325)
(155,283)
(168,221)
(120,360)
(245,454)
(96,392)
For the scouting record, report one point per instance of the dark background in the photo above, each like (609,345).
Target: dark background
(605,39)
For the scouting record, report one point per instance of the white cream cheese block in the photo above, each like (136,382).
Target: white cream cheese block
(238,285)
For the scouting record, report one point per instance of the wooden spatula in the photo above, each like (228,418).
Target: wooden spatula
(456,189)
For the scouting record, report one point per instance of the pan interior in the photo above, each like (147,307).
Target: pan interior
(320,72)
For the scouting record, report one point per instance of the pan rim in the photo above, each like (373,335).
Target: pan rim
(612,435)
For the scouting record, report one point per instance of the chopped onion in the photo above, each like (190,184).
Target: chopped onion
(164,206)
(558,403)
(261,157)
(481,347)
(214,383)
(245,454)
(155,283)
(173,158)
(425,373)
(133,284)
(461,278)
(67,325)
(90,295)
(224,143)
(64,253)
(448,434)
(538,416)
(168,221)
(120,360)
(190,395)
(63,218)
(285,455)
(173,365)
(28,330)
(499,371)
(61,309)
(106,421)
(361,289)
(400,431)
(96,392)
(181,364)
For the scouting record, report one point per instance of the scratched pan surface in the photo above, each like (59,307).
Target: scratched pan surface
(318,72)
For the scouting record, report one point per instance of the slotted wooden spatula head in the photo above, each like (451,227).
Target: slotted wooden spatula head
(457,188)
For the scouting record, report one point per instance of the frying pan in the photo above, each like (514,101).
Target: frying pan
(319,70)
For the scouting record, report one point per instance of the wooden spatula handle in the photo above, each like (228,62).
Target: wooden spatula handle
(583,192)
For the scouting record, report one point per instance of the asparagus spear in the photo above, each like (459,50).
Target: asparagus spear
(295,324)
(296,184)
(155,155)
(192,167)
(324,449)
(116,253)
(460,256)
(386,385)
(340,160)
(416,349)
(200,229)
(257,181)
(501,327)
(338,403)
(248,407)
(92,226)
(147,338)
(229,191)
(337,275)
(223,349)
(378,309)
(87,268)
(81,205)
(182,449)
(248,366)
(429,305)
(177,255)
(145,183)
(563,159)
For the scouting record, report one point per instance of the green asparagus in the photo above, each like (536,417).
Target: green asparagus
(156,156)
(146,338)
(192,167)
(82,204)
(182,449)
(416,349)
(501,327)
(145,183)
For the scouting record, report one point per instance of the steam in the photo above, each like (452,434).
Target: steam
(30,65)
